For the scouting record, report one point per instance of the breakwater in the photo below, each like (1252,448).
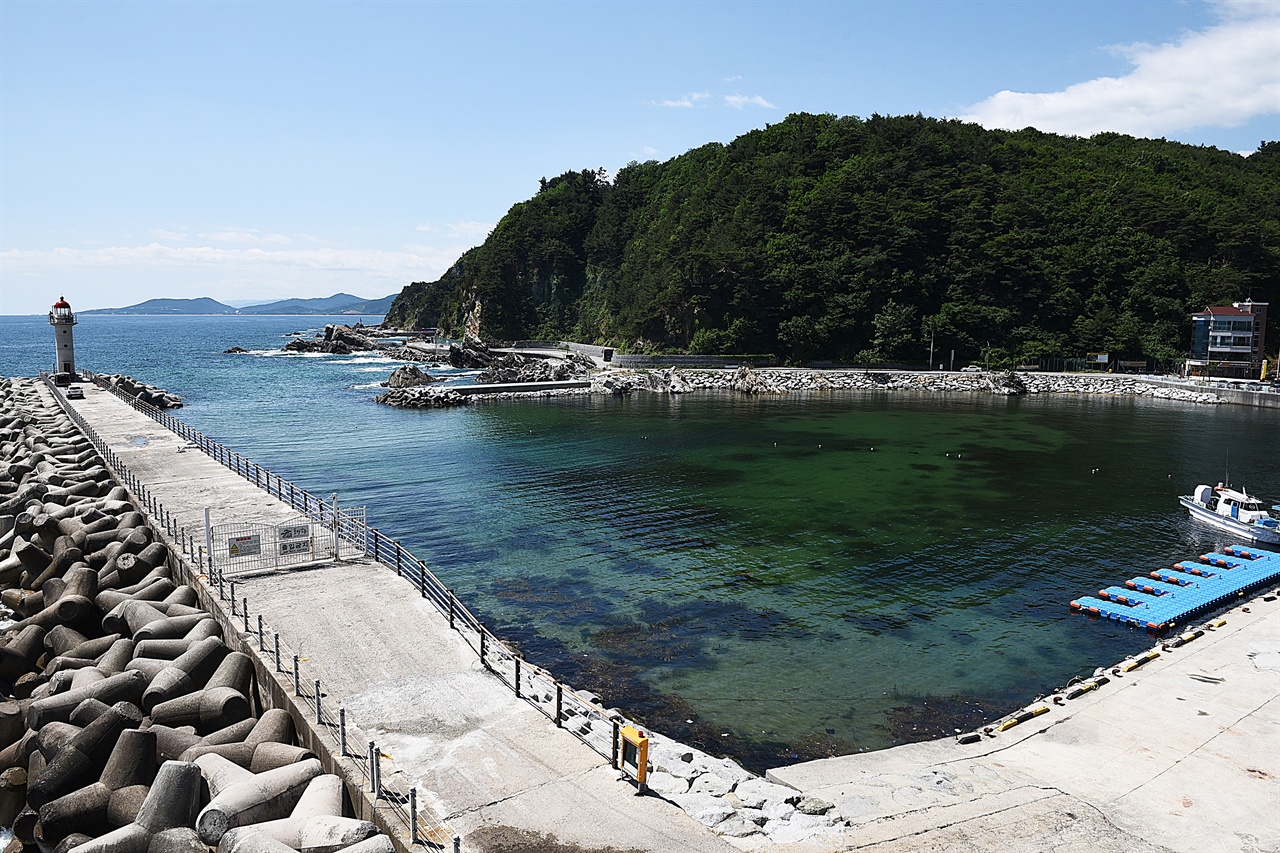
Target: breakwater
(137,717)
(748,380)
(777,380)
(580,714)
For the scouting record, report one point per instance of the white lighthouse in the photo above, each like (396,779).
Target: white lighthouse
(62,320)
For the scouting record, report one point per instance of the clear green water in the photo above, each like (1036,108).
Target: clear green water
(748,575)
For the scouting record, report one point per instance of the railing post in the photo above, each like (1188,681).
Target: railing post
(451,600)
(559,704)
(245,608)
(342,730)
(278,652)
(262,643)
(484,662)
(233,599)
(413,816)
(517,677)
(297,686)
(319,708)
(614,760)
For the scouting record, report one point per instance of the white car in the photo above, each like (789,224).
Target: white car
(973,368)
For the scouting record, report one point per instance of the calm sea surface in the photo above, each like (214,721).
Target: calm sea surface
(773,578)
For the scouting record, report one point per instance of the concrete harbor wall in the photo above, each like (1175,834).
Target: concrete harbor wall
(483,741)
(526,777)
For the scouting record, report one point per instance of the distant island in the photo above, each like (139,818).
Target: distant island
(339,303)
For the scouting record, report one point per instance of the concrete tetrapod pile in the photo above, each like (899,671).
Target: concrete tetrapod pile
(127,725)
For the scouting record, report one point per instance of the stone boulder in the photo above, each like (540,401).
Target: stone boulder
(749,381)
(301,345)
(142,392)
(514,368)
(345,336)
(473,354)
(409,376)
(423,397)
(234,350)
(1008,383)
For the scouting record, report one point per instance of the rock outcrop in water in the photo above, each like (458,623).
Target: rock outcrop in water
(337,340)
(409,376)
(748,381)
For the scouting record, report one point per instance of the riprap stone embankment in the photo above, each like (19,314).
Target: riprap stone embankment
(128,724)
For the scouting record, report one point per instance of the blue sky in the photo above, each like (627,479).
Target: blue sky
(252,151)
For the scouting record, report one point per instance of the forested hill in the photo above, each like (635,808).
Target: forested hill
(858,239)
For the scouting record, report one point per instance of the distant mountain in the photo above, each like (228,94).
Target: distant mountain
(339,303)
(203,305)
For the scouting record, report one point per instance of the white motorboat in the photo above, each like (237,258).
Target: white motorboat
(1235,511)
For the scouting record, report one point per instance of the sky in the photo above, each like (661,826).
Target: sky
(253,151)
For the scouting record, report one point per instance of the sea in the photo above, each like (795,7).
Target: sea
(772,578)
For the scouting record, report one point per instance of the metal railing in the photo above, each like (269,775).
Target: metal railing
(422,826)
(580,715)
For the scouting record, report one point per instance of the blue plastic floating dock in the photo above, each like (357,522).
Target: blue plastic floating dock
(1169,596)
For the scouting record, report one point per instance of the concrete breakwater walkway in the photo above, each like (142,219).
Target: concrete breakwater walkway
(1088,775)
(1181,753)
(488,763)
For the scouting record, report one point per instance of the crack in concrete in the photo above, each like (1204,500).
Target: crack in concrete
(515,794)
(1049,790)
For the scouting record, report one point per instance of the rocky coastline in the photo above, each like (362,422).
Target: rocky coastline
(761,381)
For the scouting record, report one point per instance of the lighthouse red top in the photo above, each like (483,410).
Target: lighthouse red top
(62,303)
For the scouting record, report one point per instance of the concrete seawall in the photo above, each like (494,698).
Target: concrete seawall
(1111,771)
(487,763)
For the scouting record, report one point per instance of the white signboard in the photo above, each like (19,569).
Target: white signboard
(294,531)
(244,546)
(295,546)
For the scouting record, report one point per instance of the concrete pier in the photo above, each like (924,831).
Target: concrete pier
(1181,754)
(497,770)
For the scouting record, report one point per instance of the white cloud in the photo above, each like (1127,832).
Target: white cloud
(251,235)
(164,234)
(1222,76)
(463,230)
(404,265)
(684,102)
(740,101)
